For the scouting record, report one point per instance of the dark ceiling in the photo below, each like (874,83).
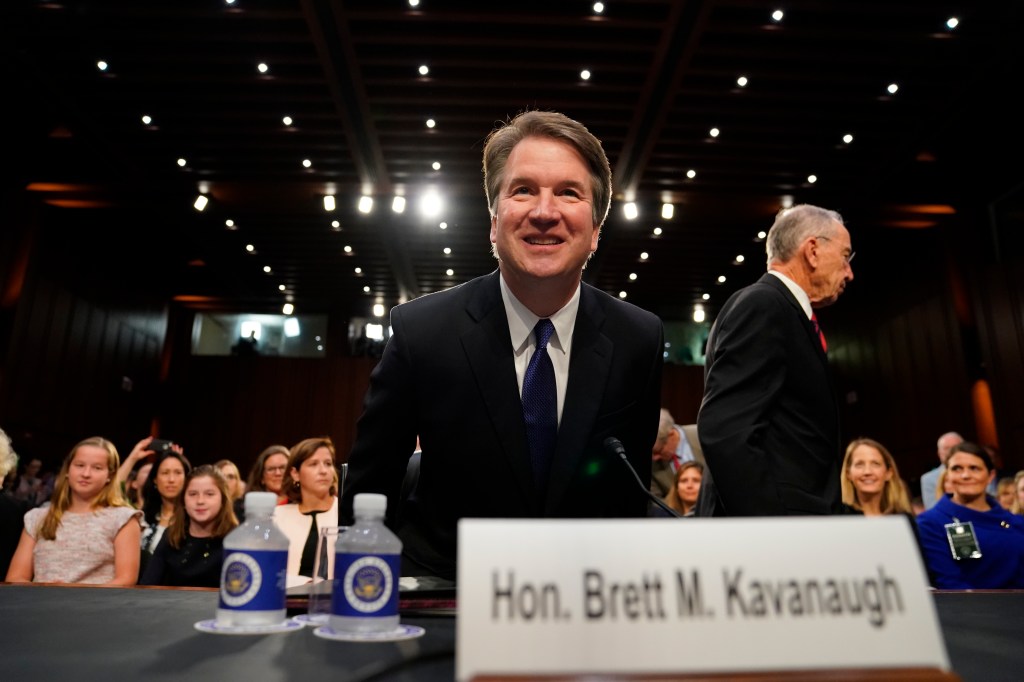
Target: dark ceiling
(664,73)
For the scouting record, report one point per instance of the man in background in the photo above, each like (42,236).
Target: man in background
(769,420)
(930,478)
(671,449)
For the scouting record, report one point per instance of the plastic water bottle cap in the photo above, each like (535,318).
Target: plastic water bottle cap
(370,503)
(257,504)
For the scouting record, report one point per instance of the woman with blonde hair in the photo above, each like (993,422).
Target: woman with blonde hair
(870,480)
(228,469)
(312,488)
(88,533)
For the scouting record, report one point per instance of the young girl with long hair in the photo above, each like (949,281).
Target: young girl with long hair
(88,533)
(191,551)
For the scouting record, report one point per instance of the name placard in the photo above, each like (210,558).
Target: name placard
(692,596)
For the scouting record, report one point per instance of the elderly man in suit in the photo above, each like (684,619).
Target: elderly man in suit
(514,380)
(769,420)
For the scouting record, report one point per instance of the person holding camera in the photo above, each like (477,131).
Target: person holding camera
(165,482)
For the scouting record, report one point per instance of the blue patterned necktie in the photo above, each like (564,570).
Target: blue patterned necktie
(540,405)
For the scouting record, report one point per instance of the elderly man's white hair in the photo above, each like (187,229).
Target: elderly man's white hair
(8,460)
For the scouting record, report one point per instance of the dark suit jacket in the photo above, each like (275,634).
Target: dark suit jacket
(769,421)
(448,375)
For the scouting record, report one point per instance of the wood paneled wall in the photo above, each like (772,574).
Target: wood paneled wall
(925,318)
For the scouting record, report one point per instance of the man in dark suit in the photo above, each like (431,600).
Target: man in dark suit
(456,368)
(769,420)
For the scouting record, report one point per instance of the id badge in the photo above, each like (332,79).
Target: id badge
(962,541)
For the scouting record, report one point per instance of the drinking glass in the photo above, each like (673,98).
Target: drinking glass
(319,609)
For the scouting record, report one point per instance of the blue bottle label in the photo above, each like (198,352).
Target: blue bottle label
(365,585)
(254,580)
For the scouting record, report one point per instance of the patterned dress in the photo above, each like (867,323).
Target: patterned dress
(83,551)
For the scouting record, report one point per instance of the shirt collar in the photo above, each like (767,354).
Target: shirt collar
(801,296)
(521,321)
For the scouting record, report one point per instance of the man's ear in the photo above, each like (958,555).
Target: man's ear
(809,251)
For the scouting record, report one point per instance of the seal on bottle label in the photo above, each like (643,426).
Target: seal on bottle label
(253,580)
(365,585)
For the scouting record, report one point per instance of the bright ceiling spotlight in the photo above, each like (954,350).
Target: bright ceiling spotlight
(200,202)
(431,204)
(667,211)
(329,204)
(287,309)
(698,313)
(398,204)
(630,210)
(365,204)
(291,325)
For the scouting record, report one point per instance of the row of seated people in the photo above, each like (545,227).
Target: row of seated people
(968,540)
(90,533)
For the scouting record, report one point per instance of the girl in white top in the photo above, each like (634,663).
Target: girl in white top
(312,486)
(88,533)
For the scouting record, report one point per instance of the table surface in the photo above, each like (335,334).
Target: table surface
(90,633)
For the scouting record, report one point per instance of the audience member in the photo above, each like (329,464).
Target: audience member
(1018,485)
(88,533)
(266,476)
(190,553)
(1006,492)
(943,486)
(969,541)
(162,488)
(29,486)
(685,489)
(671,449)
(930,478)
(12,511)
(268,473)
(236,488)
(312,488)
(136,483)
(870,480)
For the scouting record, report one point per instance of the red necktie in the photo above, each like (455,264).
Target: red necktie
(821,334)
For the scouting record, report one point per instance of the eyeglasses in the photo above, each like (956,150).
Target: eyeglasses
(275,470)
(848,259)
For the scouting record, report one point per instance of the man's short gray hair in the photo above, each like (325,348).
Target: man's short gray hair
(794,225)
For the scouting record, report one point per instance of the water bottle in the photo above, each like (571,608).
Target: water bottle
(366,570)
(252,578)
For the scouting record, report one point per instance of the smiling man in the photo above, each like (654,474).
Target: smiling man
(513,380)
(769,420)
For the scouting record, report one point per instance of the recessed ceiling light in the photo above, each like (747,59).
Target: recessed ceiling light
(632,277)
(644,255)
(424,70)
(706,297)
(365,204)
(449,272)
(414,3)
(952,22)
(667,211)
(691,174)
(366,289)
(398,204)
(598,7)
(147,119)
(358,271)
(329,203)
(287,309)
(306,163)
(742,81)
(201,202)
(892,88)
(762,234)
(102,65)
(777,15)
(281,287)
(431,123)
(847,138)
(443,225)
(182,162)
(250,248)
(714,132)
(230,224)
(622,294)
(436,165)
(812,178)
(630,210)
(740,258)
(262,68)
(347,248)
(721,279)
(656,231)
(287,120)
(447,251)
(267,269)
(585,74)
(336,224)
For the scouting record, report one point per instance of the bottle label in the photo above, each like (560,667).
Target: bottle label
(254,580)
(365,585)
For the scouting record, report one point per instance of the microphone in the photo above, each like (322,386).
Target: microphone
(614,447)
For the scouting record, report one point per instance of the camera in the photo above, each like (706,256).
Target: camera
(159,446)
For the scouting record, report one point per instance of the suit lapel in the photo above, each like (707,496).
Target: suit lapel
(488,349)
(812,336)
(588,374)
